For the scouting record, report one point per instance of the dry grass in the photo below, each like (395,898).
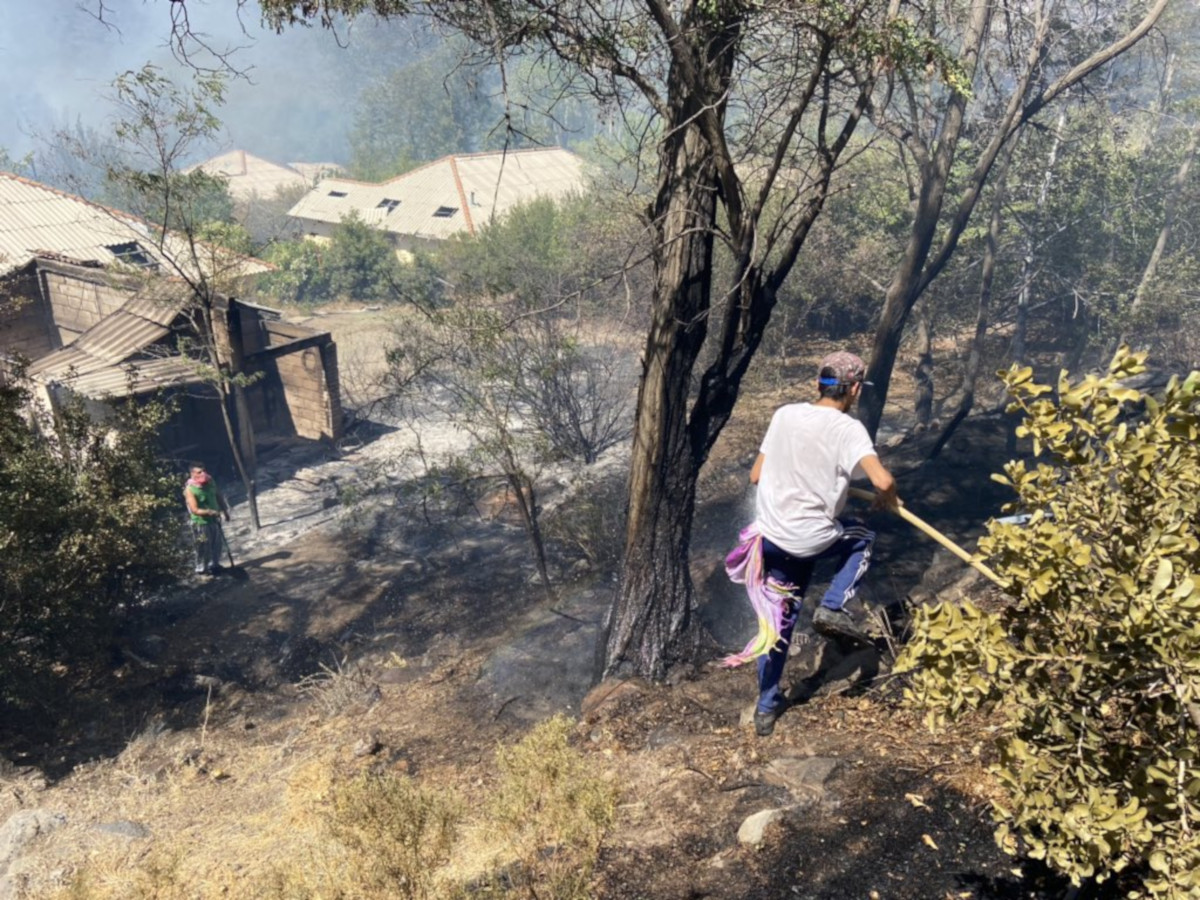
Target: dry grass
(320,831)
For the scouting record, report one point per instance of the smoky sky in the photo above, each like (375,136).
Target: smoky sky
(296,103)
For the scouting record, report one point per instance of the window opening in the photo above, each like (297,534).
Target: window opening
(387,204)
(133,254)
(445,212)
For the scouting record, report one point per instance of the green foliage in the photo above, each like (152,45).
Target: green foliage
(357,263)
(22,166)
(88,521)
(424,109)
(535,254)
(159,122)
(1092,667)
(229,235)
(299,275)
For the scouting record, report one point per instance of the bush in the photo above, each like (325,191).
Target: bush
(397,834)
(88,520)
(551,813)
(1091,668)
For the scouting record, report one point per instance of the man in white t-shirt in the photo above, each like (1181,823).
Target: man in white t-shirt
(805,463)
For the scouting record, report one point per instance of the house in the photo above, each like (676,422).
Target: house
(107,337)
(35,217)
(454,194)
(92,306)
(251,176)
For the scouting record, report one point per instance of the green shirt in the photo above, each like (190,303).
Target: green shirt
(206,498)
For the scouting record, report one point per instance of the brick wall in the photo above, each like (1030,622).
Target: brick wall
(298,392)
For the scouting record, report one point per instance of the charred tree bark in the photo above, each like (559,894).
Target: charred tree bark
(924,371)
(651,624)
(987,278)
(920,264)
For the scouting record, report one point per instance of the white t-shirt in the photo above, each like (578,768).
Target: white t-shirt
(810,454)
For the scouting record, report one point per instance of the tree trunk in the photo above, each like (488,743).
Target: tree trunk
(1170,208)
(1021,331)
(650,625)
(523,488)
(909,280)
(983,314)
(924,372)
(919,266)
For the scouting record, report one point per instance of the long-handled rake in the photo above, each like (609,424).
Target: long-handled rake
(235,570)
(927,529)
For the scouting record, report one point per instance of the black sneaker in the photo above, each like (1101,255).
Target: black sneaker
(837,623)
(764,722)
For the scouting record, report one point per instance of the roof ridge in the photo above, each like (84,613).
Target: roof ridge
(462,196)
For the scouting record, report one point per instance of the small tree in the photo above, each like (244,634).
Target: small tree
(86,514)
(1091,667)
(521,385)
(160,125)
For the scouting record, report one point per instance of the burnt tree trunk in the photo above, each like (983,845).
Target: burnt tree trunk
(924,371)
(920,264)
(987,279)
(651,624)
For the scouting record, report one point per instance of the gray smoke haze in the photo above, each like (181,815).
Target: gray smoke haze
(57,62)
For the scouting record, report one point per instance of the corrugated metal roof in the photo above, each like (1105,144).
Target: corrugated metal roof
(35,217)
(121,334)
(138,377)
(252,176)
(467,190)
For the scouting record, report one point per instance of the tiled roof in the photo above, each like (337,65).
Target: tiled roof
(449,195)
(35,217)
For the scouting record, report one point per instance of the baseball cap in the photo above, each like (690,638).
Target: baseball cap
(844,368)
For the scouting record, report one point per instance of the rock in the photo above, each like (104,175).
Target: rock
(747,715)
(608,693)
(22,828)
(367,745)
(132,830)
(754,828)
(803,777)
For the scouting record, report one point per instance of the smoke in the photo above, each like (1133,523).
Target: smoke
(295,101)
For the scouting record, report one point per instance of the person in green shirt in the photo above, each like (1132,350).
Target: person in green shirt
(205,504)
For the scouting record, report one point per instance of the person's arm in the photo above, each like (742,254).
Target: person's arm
(882,480)
(193,504)
(757,469)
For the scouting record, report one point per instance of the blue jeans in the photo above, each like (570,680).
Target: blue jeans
(852,551)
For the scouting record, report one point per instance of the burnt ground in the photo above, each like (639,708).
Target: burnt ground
(440,645)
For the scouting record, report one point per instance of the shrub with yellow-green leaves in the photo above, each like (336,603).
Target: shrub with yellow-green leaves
(1091,666)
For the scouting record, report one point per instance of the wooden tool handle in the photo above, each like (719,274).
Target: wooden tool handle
(932,532)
